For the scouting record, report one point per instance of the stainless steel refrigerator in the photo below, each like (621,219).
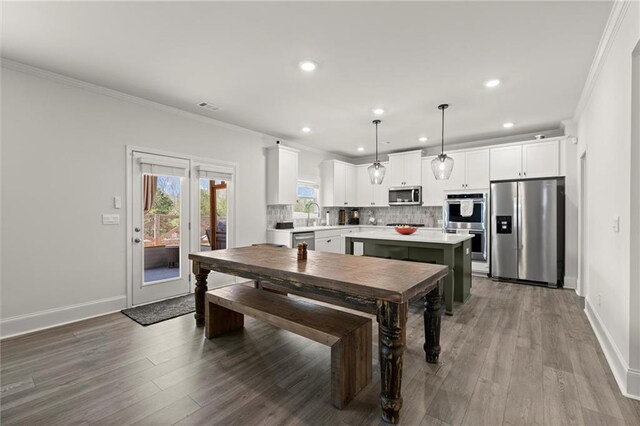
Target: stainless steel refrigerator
(527,231)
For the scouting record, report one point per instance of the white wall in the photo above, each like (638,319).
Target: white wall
(604,131)
(63,161)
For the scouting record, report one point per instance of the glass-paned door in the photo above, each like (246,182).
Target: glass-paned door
(161,227)
(214,204)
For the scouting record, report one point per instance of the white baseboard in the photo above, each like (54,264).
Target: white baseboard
(570,282)
(28,323)
(633,383)
(619,366)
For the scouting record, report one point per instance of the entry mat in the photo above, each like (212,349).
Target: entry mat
(161,311)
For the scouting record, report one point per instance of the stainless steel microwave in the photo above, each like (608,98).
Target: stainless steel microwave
(405,196)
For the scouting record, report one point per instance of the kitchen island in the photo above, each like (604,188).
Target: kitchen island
(452,250)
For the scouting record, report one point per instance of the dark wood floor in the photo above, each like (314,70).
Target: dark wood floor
(512,355)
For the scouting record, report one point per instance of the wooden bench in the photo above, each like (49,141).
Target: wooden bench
(348,335)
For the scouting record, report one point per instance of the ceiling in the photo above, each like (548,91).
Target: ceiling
(404,57)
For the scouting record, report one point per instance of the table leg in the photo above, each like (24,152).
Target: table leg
(432,321)
(392,320)
(201,288)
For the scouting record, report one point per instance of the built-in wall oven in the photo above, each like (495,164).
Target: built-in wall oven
(468,213)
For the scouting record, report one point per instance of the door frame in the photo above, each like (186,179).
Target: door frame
(232,213)
(583,220)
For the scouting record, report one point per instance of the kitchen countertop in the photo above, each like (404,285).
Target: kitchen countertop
(420,236)
(325,228)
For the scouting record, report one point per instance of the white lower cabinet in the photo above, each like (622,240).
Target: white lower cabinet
(332,240)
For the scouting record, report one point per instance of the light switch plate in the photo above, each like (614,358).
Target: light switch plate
(616,224)
(110,219)
(117,202)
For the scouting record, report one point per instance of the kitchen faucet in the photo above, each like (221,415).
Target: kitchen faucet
(309,211)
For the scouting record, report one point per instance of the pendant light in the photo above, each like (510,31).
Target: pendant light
(376,170)
(442,165)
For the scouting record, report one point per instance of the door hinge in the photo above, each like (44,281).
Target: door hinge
(189,226)
(189,277)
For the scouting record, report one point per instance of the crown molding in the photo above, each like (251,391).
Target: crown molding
(616,17)
(73,82)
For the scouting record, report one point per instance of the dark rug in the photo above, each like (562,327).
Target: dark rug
(161,311)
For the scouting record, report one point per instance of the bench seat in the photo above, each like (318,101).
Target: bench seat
(348,335)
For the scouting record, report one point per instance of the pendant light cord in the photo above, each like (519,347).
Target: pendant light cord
(376,142)
(442,152)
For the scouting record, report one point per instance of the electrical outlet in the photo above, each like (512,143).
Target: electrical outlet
(599,300)
(117,202)
(110,219)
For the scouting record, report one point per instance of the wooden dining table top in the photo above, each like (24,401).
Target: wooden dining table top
(368,277)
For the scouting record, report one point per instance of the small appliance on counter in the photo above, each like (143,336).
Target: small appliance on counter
(413,225)
(342,217)
(354,217)
(284,225)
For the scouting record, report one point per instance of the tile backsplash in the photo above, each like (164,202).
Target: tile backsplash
(428,216)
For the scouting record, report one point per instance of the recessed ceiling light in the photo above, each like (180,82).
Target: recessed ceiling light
(508,125)
(308,66)
(492,83)
(378,111)
(306,129)
(423,139)
(360,148)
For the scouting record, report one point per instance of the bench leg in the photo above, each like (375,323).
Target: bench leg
(351,365)
(219,320)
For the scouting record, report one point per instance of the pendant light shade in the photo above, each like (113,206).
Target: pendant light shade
(442,165)
(376,170)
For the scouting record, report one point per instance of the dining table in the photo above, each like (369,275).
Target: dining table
(383,287)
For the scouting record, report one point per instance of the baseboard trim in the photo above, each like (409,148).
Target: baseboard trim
(570,282)
(633,383)
(28,323)
(621,371)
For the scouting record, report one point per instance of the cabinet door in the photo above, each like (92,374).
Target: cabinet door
(432,189)
(477,169)
(328,244)
(413,169)
(506,162)
(350,183)
(381,192)
(288,177)
(396,170)
(541,159)
(339,187)
(456,180)
(364,187)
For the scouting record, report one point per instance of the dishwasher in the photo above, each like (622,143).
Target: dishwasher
(304,237)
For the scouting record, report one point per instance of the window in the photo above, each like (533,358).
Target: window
(307,192)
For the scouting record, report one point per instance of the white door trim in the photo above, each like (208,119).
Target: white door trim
(233,213)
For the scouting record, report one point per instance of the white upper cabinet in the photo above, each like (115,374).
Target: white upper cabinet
(470,170)
(457,178)
(528,160)
(338,187)
(506,162)
(368,194)
(432,189)
(541,159)
(282,175)
(477,169)
(351,182)
(405,169)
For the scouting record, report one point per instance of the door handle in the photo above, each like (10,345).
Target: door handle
(136,240)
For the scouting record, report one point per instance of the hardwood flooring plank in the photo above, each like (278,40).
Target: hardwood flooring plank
(561,400)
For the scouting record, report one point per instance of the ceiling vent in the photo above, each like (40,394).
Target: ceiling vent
(209,106)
